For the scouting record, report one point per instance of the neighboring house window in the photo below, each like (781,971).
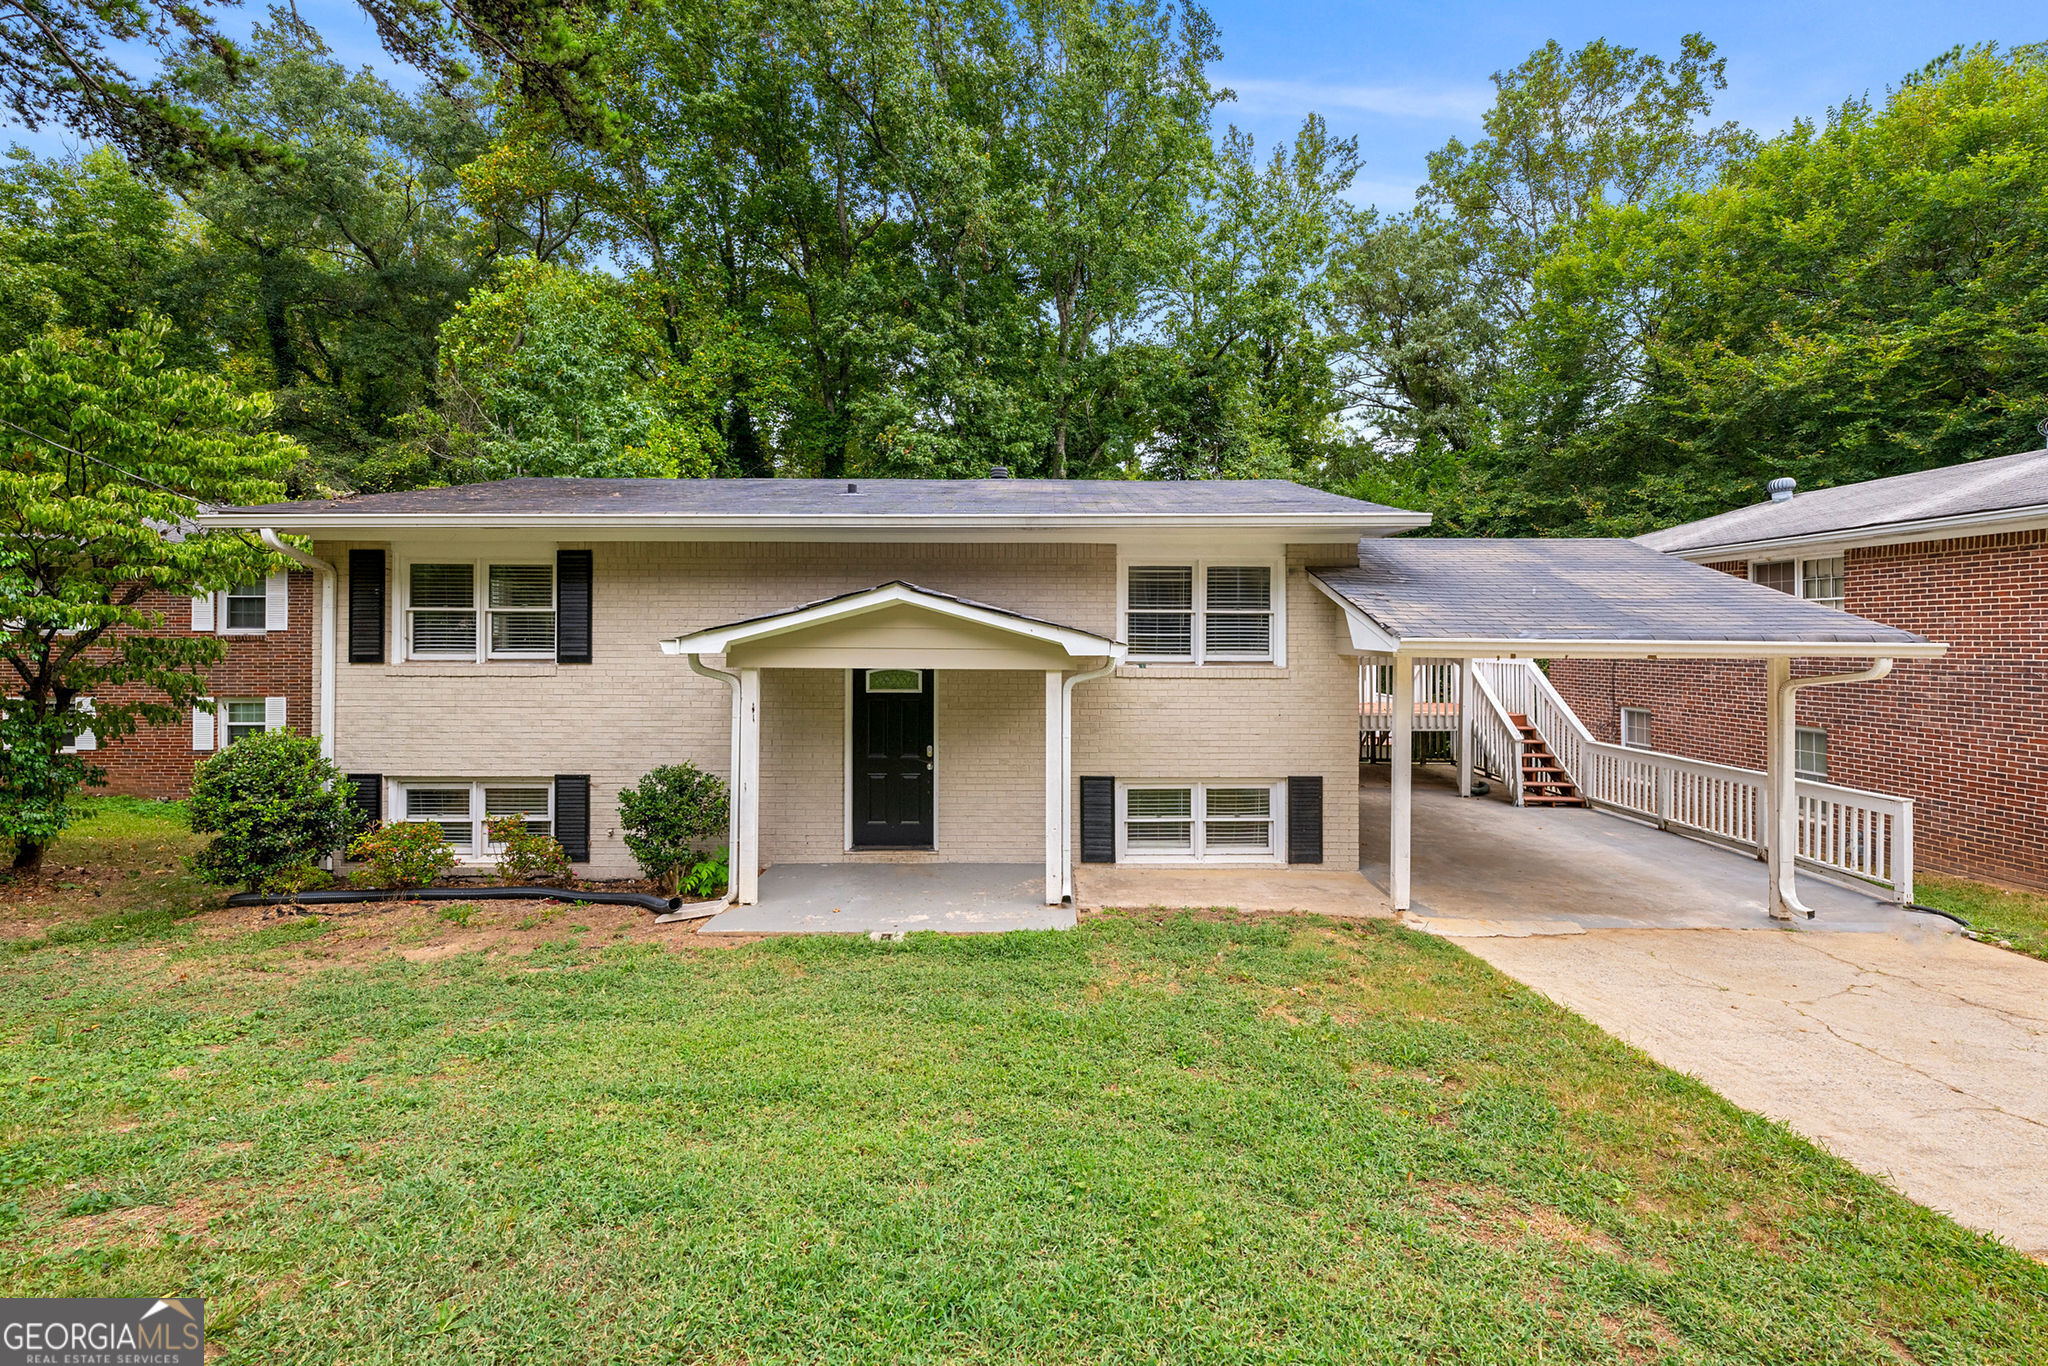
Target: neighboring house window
(1821,580)
(461,809)
(1199,822)
(1782,575)
(239,718)
(472,611)
(248,607)
(1635,728)
(1810,753)
(1200,613)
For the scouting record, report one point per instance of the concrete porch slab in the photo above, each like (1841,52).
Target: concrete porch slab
(896,898)
(1317,891)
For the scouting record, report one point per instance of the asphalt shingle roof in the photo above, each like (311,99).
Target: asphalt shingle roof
(1577,590)
(2006,482)
(829,499)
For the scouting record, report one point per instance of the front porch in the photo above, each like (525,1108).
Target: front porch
(895,898)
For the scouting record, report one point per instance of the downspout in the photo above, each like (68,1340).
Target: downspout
(323,634)
(1783,852)
(732,785)
(1067,769)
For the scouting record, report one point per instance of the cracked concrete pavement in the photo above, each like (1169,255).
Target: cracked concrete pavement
(1884,1036)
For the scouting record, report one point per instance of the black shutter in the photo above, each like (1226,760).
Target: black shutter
(1305,820)
(1098,820)
(572,606)
(368,796)
(366,607)
(572,815)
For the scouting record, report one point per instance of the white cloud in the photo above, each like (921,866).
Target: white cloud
(1460,103)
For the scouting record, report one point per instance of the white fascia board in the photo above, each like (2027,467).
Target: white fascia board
(718,640)
(1894,533)
(1367,635)
(698,527)
(1482,648)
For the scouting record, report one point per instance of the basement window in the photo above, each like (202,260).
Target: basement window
(1635,728)
(462,808)
(1198,822)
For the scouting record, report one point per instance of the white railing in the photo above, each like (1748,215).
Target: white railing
(1865,835)
(1436,696)
(1496,740)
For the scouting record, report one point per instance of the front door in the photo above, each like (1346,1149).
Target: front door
(892,758)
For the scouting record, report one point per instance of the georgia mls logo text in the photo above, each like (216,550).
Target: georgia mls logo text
(102,1332)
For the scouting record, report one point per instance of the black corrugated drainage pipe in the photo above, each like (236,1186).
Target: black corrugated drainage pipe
(646,901)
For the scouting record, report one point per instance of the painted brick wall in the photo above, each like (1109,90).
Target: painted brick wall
(156,761)
(1965,736)
(634,707)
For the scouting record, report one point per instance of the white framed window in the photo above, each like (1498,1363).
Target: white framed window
(1821,580)
(82,740)
(232,718)
(1810,753)
(1818,579)
(1183,822)
(1635,727)
(247,609)
(1204,612)
(461,807)
(479,609)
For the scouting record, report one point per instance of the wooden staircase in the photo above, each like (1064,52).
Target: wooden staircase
(1544,781)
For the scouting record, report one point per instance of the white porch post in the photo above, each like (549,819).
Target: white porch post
(747,791)
(1400,779)
(1056,782)
(1781,802)
(1464,741)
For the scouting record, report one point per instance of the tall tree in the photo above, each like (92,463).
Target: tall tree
(108,453)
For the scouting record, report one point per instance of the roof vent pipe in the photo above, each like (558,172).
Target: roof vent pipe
(1781,489)
(853,488)
(999,471)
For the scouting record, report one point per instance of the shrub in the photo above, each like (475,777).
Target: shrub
(706,878)
(402,854)
(526,858)
(675,813)
(273,807)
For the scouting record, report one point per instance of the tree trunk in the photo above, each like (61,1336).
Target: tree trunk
(28,857)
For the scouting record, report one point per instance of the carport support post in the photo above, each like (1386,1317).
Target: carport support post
(1464,728)
(1400,780)
(746,794)
(1781,803)
(1055,784)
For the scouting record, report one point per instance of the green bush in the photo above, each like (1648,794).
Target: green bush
(673,815)
(273,806)
(402,854)
(526,858)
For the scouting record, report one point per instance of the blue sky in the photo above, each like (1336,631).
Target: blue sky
(1406,77)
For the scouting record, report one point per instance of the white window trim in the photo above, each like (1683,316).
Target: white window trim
(1799,772)
(1277,567)
(482,852)
(1798,563)
(401,615)
(273,716)
(1198,855)
(84,742)
(1649,723)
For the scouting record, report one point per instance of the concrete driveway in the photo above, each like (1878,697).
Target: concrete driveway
(1886,1037)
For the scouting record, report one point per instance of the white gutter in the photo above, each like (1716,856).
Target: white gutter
(732,783)
(324,653)
(1067,767)
(1783,848)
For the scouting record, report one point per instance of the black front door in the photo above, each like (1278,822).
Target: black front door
(892,758)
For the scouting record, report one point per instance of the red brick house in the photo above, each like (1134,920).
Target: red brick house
(264,683)
(1958,554)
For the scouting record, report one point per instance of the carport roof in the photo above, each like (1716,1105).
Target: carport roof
(1597,598)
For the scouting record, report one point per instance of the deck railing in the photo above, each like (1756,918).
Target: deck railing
(1864,835)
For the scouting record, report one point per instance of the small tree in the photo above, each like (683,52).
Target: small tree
(273,805)
(106,454)
(674,813)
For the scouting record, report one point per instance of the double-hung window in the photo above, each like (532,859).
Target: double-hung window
(480,610)
(240,719)
(1818,580)
(1198,822)
(1810,753)
(248,607)
(1635,727)
(462,809)
(1200,613)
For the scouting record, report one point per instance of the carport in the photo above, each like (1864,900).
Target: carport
(1412,601)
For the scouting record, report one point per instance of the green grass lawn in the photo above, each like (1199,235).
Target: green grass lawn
(512,1134)
(2017,920)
